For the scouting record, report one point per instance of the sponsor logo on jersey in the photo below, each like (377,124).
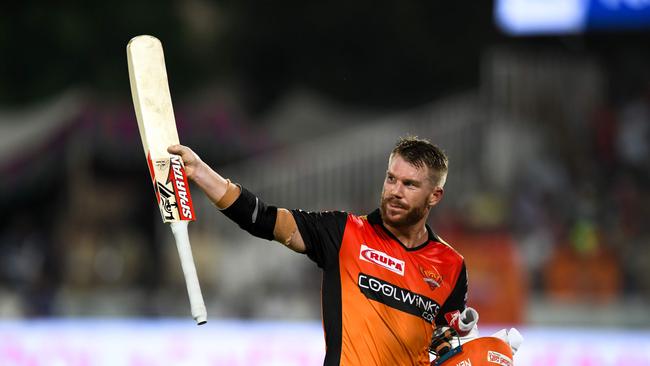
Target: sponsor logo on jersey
(466,362)
(382,259)
(498,358)
(398,298)
(431,276)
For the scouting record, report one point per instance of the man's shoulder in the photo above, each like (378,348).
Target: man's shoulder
(365,221)
(320,217)
(448,247)
(360,219)
(324,213)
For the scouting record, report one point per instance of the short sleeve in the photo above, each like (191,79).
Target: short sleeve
(457,300)
(322,233)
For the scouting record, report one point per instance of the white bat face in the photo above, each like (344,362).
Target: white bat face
(157,125)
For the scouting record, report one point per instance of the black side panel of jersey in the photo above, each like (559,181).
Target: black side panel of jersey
(332,316)
(322,233)
(457,300)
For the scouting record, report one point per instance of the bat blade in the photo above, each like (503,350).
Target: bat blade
(157,126)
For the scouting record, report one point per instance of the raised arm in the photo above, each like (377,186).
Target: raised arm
(248,212)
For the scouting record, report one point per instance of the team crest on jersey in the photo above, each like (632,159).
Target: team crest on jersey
(431,276)
(382,259)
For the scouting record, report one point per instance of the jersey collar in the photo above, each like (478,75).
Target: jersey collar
(375,218)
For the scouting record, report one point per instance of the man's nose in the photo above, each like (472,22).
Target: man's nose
(396,190)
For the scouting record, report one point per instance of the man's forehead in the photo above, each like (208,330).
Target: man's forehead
(402,168)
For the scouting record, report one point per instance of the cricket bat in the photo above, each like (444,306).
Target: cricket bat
(157,125)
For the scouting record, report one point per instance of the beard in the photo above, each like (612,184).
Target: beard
(410,216)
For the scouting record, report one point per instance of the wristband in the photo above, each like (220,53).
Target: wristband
(252,214)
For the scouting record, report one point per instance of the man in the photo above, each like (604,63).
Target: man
(387,278)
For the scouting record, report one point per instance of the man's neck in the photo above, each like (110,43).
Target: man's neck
(410,236)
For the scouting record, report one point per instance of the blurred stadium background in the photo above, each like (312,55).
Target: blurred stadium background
(543,108)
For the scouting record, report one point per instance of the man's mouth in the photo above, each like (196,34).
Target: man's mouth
(396,206)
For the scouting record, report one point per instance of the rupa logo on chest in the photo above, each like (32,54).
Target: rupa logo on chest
(382,259)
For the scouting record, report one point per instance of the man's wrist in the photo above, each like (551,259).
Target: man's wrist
(230,195)
(202,176)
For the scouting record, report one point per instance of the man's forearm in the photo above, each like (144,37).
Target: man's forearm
(219,190)
(223,194)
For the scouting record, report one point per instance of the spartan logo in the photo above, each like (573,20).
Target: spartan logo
(177,175)
(167,201)
(398,298)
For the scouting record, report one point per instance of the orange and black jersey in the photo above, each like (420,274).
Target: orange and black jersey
(379,297)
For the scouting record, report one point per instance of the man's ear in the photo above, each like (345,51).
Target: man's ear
(436,196)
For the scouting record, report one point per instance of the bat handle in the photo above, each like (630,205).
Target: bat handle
(179,228)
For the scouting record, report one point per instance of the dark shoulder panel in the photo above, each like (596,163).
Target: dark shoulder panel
(322,233)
